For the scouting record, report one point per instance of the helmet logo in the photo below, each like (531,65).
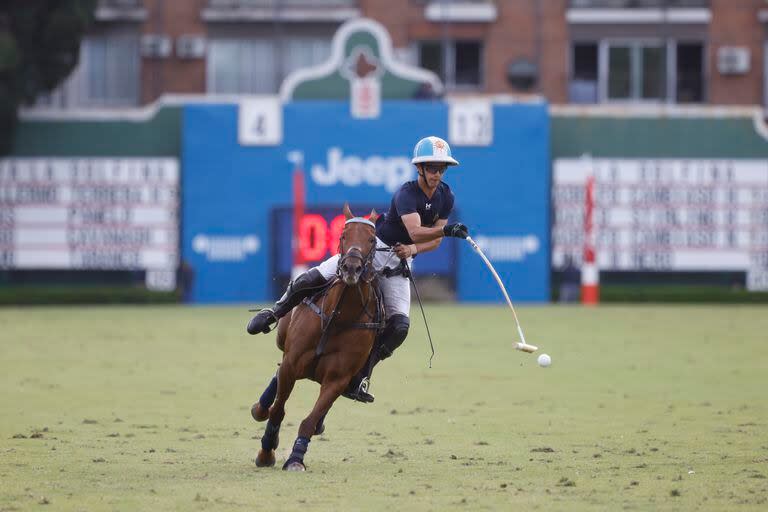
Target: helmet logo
(438,147)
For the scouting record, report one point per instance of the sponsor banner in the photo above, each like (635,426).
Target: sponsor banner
(225,248)
(231,190)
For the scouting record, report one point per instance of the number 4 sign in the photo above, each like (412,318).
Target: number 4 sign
(470,123)
(260,122)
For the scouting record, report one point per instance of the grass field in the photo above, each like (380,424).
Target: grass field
(147,408)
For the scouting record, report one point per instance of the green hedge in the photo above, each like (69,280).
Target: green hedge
(681,294)
(24,295)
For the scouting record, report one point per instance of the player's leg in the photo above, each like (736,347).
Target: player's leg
(298,289)
(397,301)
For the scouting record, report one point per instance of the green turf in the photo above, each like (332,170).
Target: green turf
(147,408)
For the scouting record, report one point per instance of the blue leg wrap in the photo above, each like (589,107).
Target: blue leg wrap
(270,439)
(268,396)
(299,449)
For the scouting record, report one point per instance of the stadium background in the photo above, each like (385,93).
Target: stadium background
(682,212)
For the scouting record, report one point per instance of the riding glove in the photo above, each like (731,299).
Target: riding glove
(457,230)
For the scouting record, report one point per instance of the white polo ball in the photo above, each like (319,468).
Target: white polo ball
(544,360)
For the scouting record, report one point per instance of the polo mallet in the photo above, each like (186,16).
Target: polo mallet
(525,347)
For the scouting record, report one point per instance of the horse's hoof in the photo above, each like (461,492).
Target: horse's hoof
(294,465)
(258,412)
(265,459)
(320,429)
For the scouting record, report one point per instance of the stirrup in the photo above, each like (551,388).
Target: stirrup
(262,322)
(360,394)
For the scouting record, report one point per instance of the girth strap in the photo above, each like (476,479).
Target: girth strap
(358,325)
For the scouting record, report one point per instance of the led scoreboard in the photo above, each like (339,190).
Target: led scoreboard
(319,230)
(706,215)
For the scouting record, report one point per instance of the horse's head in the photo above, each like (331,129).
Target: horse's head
(357,247)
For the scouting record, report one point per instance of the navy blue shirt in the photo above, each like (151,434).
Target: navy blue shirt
(411,199)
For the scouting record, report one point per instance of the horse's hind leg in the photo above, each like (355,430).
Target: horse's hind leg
(260,410)
(320,428)
(329,392)
(286,379)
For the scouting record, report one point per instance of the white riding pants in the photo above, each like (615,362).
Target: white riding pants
(396,289)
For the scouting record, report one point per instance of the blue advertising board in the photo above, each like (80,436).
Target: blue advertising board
(232,192)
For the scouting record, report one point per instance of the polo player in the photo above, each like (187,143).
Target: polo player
(416,222)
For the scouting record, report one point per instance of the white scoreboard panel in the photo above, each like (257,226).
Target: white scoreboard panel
(89,213)
(666,215)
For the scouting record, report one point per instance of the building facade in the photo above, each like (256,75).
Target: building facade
(700,52)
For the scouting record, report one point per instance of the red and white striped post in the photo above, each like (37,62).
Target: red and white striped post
(590,275)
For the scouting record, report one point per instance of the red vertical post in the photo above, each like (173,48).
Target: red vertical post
(299,265)
(590,275)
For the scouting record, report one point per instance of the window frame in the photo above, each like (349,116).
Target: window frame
(635,45)
(670,44)
(75,92)
(278,69)
(449,63)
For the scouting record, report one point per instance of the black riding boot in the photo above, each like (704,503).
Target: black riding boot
(298,289)
(393,335)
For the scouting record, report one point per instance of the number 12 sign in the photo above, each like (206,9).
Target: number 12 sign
(470,123)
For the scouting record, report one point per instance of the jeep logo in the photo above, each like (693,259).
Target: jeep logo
(354,171)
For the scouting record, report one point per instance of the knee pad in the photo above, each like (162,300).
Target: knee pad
(394,334)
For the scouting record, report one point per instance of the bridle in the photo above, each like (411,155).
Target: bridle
(354,252)
(368,273)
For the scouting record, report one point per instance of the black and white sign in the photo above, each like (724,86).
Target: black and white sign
(89,213)
(663,214)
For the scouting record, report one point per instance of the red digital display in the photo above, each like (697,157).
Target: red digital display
(319,237)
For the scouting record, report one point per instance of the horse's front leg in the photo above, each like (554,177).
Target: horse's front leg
(330,390)
(286,379)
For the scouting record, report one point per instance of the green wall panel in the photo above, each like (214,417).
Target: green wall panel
(160,135)
(659,137)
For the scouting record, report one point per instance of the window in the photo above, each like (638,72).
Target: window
(690,73)
(238,66)
(637,4)
(107,75)
(619,73)
(583,86)
(459,66)
(637,71)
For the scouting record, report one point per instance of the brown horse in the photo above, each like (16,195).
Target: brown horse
(326,339)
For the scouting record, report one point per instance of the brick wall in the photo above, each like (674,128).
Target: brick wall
(735,23)
(172,74)
(519,30)
(523,29)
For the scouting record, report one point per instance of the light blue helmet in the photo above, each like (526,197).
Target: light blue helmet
(433,149)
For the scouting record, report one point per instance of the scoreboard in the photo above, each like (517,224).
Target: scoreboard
(666,214)
(89,213)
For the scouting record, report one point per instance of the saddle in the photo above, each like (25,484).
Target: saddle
(376,318)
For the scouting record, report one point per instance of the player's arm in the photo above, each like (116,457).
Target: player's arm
(433,244)
(417,232)
(407,251)
(421,234)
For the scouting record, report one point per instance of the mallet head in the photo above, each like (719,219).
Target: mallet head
(526,347)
